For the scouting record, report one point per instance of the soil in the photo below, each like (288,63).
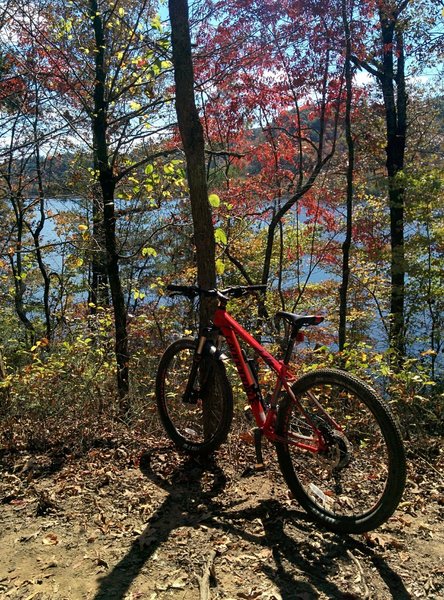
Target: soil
(129,517)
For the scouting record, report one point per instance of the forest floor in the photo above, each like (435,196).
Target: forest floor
(128,517)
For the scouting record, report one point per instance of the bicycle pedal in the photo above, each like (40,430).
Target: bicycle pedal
(252,470)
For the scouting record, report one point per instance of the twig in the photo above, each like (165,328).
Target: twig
(204,581)
(361,574)
(429,464)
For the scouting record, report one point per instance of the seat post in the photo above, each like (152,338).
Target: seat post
(291,344)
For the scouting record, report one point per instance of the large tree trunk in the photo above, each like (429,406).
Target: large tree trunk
(107,185)
(191,132)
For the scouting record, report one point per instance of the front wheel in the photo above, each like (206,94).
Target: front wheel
(198,423)
(354,481)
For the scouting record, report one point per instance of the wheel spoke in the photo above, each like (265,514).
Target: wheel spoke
(358,474)
(200,422)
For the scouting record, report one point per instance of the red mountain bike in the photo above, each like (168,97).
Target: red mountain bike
(339,448)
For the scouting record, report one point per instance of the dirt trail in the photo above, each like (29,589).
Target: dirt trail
(117,524)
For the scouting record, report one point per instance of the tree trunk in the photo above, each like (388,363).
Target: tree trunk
(343,290)
(191,132)
(107,185)
(36,233)
(395,104)
(99,290)
(390,74)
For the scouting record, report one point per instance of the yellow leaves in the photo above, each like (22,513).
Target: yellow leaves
(67,25)
(156,23)
(220,266)
(148,251)
(82,227)
(429,352)
(74,262)
(220,236)
(214,200)
(40,344)
(121,12)
(135,105)
(92,305)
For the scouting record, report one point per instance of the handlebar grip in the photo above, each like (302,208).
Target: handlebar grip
(191,291)
(243,290)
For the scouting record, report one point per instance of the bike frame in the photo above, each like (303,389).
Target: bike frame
(265,417)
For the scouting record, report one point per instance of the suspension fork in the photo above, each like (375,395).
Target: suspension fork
(204,348)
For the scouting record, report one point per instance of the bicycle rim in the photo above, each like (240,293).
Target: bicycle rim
(200,424)
(355,482)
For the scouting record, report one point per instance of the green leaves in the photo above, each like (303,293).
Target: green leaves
(214,200)
(220,236)
(148,251)
(220,267)
(156,23)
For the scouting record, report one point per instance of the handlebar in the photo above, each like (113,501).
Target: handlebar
(192,291)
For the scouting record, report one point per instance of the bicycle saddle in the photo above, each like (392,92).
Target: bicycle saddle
(299,321)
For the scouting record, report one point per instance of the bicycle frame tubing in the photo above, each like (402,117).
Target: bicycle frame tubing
(230,329)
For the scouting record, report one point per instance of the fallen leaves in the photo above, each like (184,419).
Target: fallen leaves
(98,511)
(383,540)
(50,539)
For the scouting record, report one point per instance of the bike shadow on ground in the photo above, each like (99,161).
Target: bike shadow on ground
(193,489)
(192,484)
(316,556)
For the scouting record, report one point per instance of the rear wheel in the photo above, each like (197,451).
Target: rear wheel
(355,482)
(199,424)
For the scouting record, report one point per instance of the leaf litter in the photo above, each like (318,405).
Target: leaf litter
(130,517)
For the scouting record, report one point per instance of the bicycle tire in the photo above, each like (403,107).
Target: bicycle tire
(356,484)
(187,424)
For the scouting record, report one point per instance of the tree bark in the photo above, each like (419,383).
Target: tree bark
(390,74)
(343,290)
(107,185)
(36,233)
(395,104)
(191,132)
(99,289)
